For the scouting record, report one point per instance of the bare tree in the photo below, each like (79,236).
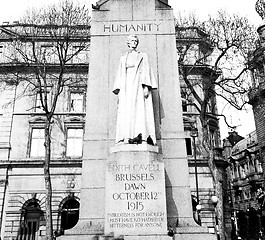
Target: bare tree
(43,48)
(225,44)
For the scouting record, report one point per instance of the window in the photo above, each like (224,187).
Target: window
(79,54)
(188,146)
(246,167)
(213,132)
(38,105)
(74,144)
(69,214)
(232,172)
(252,166)
(212,137)
(2,53)
(242,171)
(259,166)
(184,106)
(74,135)
(185,100)
(30,221)
(48,53)
(235,171)
(37,148)
(76,102)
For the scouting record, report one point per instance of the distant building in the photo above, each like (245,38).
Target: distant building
(245,177)
(256,94)
(257,100)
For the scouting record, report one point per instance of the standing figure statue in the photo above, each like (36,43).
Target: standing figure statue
(133,85)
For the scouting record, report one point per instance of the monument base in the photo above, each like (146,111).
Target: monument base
(135,201)
(182,233)
(84,230)
(191,233)
(135,191)
(179,236)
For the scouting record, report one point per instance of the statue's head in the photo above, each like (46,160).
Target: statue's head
(132,41)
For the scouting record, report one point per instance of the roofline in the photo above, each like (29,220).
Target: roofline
(200,30)
(209,71)
(16,67)
(42,35)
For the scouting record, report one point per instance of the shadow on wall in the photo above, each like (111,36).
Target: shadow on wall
(172,210)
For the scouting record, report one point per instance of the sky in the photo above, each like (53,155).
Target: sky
(13,10)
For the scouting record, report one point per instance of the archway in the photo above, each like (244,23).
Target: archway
(69,214)
(30,220)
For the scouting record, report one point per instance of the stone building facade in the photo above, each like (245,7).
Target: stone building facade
(22,138)
(194,44)
(256,94)
(22,194)
(257,100)
(245,178)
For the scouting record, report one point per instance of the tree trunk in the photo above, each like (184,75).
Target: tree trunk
(217,182)
(47,178)
(220,208)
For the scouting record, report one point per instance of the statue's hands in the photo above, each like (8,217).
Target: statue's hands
(146,92)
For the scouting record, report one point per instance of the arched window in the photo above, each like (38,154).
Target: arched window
(69,214)
(30,220)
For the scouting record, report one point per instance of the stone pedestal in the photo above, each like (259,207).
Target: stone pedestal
(135,192)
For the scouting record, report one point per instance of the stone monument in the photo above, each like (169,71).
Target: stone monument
(134,186)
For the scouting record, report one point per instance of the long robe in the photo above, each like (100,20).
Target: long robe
(135,113)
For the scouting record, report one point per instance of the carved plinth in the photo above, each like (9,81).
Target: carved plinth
(135,192)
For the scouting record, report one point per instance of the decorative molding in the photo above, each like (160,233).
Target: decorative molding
(74,121)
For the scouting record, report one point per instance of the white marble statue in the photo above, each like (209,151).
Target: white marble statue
(133,84)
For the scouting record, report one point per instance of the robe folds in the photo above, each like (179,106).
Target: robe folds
(135,112)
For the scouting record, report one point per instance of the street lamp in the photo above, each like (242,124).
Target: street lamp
(198,210)
(215,201)
(194,134)
(199,207)
(260,197)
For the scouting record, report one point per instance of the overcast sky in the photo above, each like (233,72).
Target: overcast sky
(13,10)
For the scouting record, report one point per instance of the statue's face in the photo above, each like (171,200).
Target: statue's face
(132,42)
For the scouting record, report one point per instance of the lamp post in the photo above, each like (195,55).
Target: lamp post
(215,201)
(198,209)
(194,134)
(261,199)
